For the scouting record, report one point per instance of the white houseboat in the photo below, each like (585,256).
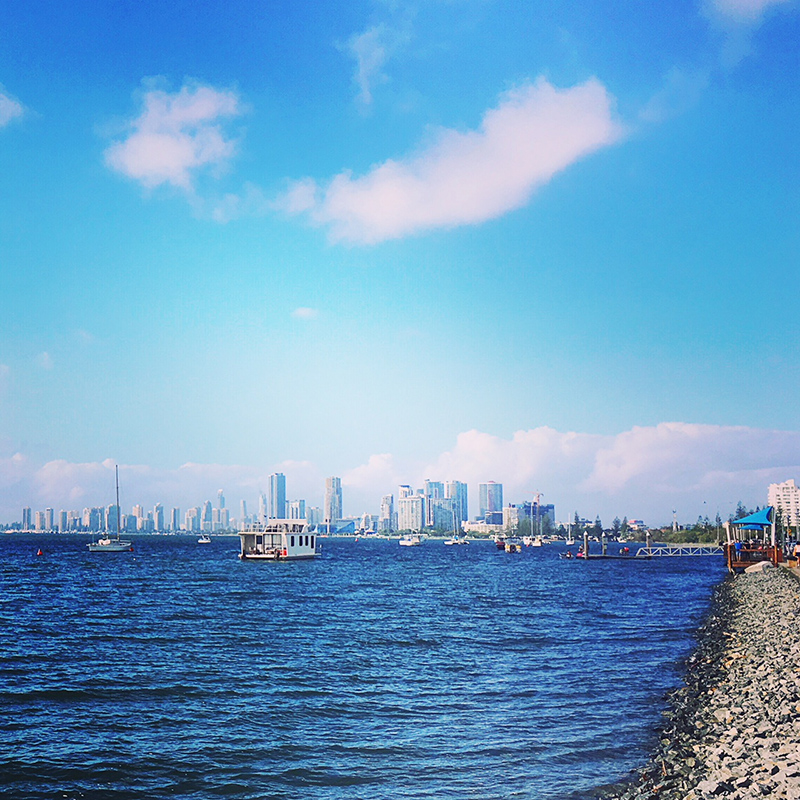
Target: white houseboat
(278,540)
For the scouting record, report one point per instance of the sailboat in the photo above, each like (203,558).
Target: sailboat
(455,539)
(108,544)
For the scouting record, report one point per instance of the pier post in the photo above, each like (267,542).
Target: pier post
(604,543)
(585,544)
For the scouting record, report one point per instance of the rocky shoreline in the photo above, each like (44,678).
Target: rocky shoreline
(733,729)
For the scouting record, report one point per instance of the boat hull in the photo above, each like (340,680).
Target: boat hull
(112,547)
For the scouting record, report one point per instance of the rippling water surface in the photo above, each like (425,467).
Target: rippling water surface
(376,671)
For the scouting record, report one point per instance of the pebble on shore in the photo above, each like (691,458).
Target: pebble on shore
(733,729)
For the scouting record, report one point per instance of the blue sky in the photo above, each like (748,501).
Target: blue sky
(541,243)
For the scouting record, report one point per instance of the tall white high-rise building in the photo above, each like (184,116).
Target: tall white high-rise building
(786,497)
(297,509)
(262,508)
(411,513)
(277,496)
(333,500)
(386,517)
(158,517)
(175,520)
(220,499)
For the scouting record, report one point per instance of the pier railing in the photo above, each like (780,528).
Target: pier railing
(680,550)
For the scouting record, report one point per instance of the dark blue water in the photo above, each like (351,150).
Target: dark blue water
(376,671)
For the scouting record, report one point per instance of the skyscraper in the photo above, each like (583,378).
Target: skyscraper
(432,491)
(490,498)
(175,522)
(297,509)
(220,500)
(457,492)
(277,496)
(386,517)
(158,517)
(262,508)
(333,500)
(410,513)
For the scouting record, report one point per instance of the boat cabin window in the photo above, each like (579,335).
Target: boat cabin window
(291,541)
(312,541)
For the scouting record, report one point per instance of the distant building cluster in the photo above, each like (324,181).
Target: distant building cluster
(437,505)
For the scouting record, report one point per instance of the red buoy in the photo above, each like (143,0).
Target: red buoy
(39,552)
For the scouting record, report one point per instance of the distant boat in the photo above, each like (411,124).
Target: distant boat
(410,540)
(456,538)
(277,540)
(204,539)
(109,544)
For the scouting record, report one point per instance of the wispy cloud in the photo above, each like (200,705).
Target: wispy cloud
(370,51)
(9,108)
(745,12)
(176,135)
(45,360)
(680,91)
(534,132)
(644,472)
(305,313)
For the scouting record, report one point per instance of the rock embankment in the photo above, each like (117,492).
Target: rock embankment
(733,731)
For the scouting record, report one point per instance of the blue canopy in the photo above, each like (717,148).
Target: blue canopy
(761,519)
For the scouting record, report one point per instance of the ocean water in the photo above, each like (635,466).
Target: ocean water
(375,671)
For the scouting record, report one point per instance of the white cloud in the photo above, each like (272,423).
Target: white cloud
(378,475)
(746,12)
(175,136)
(680,91)
(9,108)
(643,473)
(369,49)
(305,313)
(533,133)
(45,360)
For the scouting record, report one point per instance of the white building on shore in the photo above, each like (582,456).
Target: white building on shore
(786,497)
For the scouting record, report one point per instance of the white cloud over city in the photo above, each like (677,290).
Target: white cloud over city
(175,136)
(466,177)
(644,472)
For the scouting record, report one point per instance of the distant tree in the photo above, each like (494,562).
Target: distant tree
(597,528)
(741,510)
(547,526)
(561,531)
(623,529)
(616,525)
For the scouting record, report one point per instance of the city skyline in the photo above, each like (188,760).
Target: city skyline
(395,242)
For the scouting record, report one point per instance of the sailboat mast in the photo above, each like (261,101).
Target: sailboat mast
(116,475)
